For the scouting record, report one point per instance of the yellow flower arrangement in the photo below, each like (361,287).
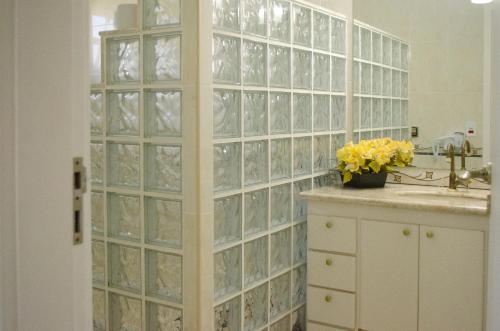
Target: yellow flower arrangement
(373,156)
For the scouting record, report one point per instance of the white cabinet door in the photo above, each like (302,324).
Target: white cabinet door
(389,271)
(451,279)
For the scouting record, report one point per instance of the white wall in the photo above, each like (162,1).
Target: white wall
(8,301)
(494,266)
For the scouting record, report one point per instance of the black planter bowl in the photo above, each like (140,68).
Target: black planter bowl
(367,180)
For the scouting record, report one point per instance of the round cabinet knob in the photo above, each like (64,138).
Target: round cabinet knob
(329,262)
(328,298)
(329,225)
(430,234)
(406,232)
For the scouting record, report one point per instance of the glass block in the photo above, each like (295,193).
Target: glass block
(396,83)
(227,166)
(226,14)
(321,112)
(355,137)
(321,31)
(387,133)
(226,59)
(256,162)
(355,113)
(163,167)
(405,134)
(254,63)
(302,156)
(299,204)
(299,319)
(123,60)
(376,134)
(282,325)
(281,159)
(404,85)
(404,113)
(255,17)
(279,17)
(256,211)
(405,56)
(125,313)
(321,150)
(338,112)
(279,66)
(227,219)
(96,163)
(163,222)
(396,134)
(164,275)
(355,41)
(256,253)
(124,165)
(280,250)
(396,113)
(161,12)
(366,113)
(124,216)
(387,113)
(163,111)
(124,267)
(280,112)
(281,205)
(321,72)
(163,318)
(376,47)
(302,112)
(98,310)
(396,54)
(366,44)
(255,308)
(96,114)
(356,76)
(366,135)
(97,212)
(386,50)
(299,285)
(280,295)
(227,113)
(301,25)
(321,181)
(98,262)
(300,243)
(338,141)
(376,80)
(338,74)
(162,57)
(227,272)
(302,66)
(227,316)
(255,113)
(123,113)
(338,35)
(366,78)
(377,113)
(386,82)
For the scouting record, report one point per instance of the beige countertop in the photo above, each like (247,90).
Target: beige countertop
(439,199)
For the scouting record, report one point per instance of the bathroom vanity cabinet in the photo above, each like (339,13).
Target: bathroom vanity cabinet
(382,260)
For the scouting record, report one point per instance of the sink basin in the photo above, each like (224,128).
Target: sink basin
(442,194)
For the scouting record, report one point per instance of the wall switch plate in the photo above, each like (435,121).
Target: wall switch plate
(414,131)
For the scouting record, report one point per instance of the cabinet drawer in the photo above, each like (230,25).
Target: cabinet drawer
(330,307)
(319,327)
(336,234)
(331,270)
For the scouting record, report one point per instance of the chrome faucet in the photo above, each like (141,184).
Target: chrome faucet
(466,177)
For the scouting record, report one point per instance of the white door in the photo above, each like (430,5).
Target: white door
(51,277)
(451,279)
(389,271)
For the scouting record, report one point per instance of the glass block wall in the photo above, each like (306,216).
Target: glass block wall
(380,84)
(138,174)
(279,113)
